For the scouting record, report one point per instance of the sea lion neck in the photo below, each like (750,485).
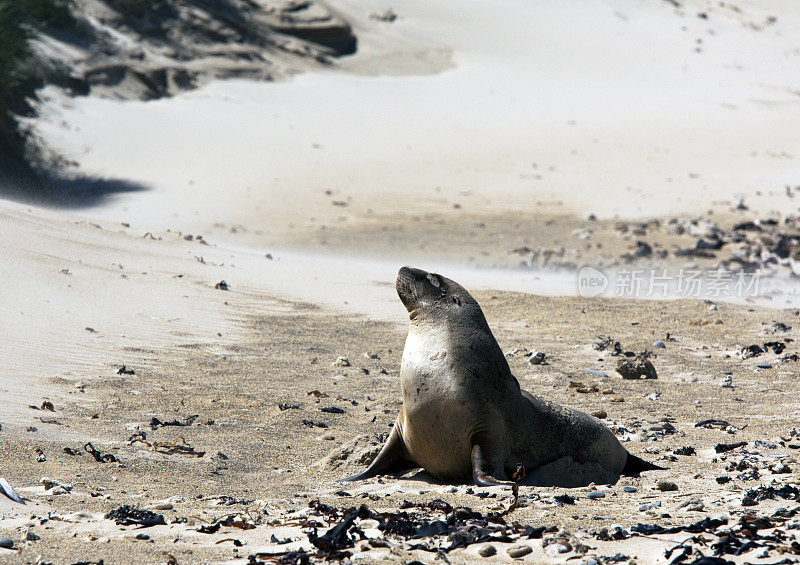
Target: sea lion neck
(422,315)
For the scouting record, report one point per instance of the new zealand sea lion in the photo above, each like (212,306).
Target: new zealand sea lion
(464,415)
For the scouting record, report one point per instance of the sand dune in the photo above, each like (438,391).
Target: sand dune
(652,107)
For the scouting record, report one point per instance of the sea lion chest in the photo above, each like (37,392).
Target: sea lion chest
(436,422)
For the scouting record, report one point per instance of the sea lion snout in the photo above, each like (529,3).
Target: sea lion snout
(414,285)
(404,286)
(421,290)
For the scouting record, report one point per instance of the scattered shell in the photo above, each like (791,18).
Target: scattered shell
(7,490)
(341,362)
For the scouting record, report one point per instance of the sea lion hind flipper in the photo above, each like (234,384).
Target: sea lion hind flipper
(392,457)
(635,465)
(483,472)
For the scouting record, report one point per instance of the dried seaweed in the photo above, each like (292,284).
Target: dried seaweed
(128,515)
(182,448)
(99,457)
(155,423)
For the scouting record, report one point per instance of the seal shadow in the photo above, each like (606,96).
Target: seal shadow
(420,475)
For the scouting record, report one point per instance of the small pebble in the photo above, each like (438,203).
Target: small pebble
(666,486)
(487,550)
(596,494)
(516,551)
(160,506)
(696,506)
(6,543)
(461,513)
(598,373)
(602,414)
(660,344)
(341,362)
(629,489)
(764,366)
(536,358)
(555,549)
(48,483)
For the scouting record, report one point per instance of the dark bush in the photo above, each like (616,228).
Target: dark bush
(19,22)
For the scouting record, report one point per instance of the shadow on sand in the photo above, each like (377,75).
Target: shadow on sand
(52,188)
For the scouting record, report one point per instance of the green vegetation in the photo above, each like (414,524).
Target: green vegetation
(15,54)
(46,12)
(134,7)
(19,21)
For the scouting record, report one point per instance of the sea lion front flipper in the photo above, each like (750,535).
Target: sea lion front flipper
(483,471)
(391,458)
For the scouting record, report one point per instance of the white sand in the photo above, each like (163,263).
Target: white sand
(546,102)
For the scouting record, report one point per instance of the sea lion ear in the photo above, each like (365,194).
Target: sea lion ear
(434,280)
(457,300)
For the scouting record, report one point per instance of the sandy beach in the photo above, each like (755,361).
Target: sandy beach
(200,329)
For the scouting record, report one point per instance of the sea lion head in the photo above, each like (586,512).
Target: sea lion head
(423,292)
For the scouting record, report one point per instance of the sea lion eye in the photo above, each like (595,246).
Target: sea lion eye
(434,280)
(457,300)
